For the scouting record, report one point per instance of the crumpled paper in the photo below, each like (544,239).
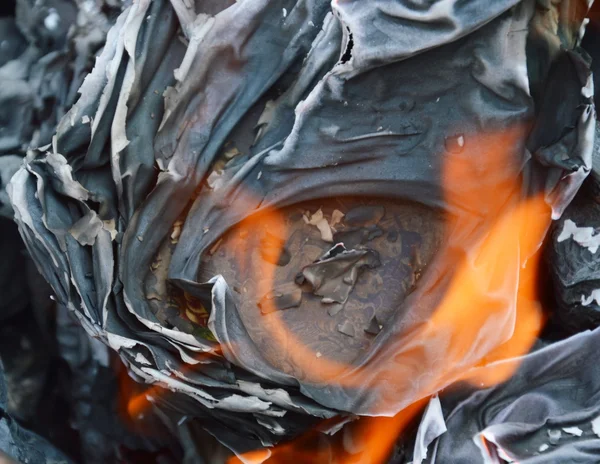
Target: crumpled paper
(349,98)
(546,413)
(572,256)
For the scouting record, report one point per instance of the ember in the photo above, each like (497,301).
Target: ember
(308,231)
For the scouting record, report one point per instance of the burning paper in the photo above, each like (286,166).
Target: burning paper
(434,156)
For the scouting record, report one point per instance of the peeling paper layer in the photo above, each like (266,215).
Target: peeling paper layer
(105,225)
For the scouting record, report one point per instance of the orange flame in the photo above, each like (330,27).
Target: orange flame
(369,437)
(489,311)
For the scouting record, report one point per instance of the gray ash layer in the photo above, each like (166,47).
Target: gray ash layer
(199,117)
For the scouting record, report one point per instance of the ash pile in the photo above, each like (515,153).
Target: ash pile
(299,230)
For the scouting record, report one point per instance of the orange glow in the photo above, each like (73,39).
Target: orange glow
(491,243)
(491,306)
(317,369)
(488,313)
(366,440)
(138,404)
(136,397)
(379,434)
(133,404)
(474,310)
(489,310)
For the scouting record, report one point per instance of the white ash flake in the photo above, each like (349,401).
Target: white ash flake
(584,236)
(336,218)
(318,220)
(215,179)
(593,298)
(140,358)
(111,228)
(596,426)
(284,13)
(52,20)
(87,228)
(554,436)
(543,447)
(231,153)
(576,431)
(587,91)
(176,230)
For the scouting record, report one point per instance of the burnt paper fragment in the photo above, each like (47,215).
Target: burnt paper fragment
(333,278)
(273,250)
(346,328)
(364,215)
(281,298)
(353,237)
(374,326)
